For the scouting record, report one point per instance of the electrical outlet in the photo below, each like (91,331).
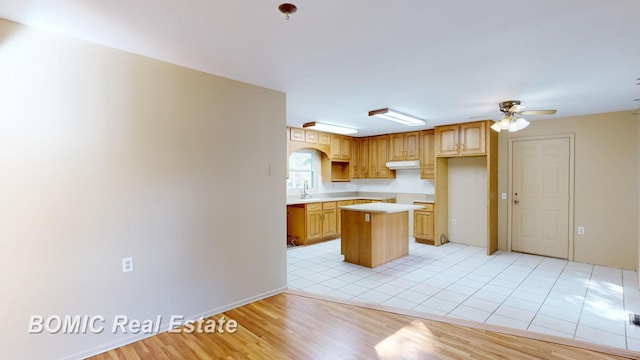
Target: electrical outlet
(504,196)
(127,264)
(454,221)
(580,230)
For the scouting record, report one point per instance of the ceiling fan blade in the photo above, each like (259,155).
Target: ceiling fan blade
(538,112)
(486,116)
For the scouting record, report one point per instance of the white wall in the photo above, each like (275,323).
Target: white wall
(105,155)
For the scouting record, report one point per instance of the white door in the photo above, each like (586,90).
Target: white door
(540,209)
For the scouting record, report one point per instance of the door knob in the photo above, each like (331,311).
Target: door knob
(516,201)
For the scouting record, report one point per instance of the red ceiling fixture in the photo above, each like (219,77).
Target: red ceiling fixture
(287,9)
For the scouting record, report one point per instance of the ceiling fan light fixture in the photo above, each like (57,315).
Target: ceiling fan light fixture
(518,124)
(336,129)
(496,126)
(398,117)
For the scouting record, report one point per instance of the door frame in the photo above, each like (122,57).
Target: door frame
(571,137)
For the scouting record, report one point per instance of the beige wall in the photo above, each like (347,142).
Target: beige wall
(606,185)
(105,155)
(468,200)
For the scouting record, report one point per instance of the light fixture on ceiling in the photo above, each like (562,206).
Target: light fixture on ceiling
(337,129)
(509,123)
(287,9)
(397,117)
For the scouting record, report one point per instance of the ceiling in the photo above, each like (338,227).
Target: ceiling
(442,61)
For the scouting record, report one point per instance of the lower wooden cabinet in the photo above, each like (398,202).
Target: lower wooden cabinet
(339,213)
(318,221)
(309,223)
(423,223)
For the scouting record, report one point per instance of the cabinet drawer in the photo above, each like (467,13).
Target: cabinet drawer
(329,205)
(314,206)
(426,206)
(345,203)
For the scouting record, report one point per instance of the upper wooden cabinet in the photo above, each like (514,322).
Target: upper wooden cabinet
(340,148)
(297,135)
(461,140)
(427,155)
(404,146)
(378,157)
(359,158)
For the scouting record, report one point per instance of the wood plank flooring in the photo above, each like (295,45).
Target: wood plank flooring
(294,326)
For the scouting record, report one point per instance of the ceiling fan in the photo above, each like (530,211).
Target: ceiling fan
(512,119)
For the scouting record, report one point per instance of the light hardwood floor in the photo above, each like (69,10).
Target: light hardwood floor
(296,326)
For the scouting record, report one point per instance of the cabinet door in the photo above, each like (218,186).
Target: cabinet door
(335,148)
(314,225)
(345,148)
(412,145)
(423,225)
(382,157)
(427,155)
(311,137)
(396,147)
(363,157)
(447,138)
(373,157)
(297,135)
(355,158)
(329,224)
(324,138)
(339,214)
(472,138)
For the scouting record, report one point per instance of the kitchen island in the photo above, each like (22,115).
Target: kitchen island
(374,234)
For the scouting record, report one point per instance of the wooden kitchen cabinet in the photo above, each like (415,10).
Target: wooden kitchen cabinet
(427,155)
(404,146)
(359,158)
(378,157)
(324,138)
(340,148)
(423,223)
(467,139)
(339,213)
(312,222)
(329,220)
(296,135)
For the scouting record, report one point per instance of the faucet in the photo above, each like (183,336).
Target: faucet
(305,189)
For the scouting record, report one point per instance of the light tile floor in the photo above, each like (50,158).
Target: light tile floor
(534,293)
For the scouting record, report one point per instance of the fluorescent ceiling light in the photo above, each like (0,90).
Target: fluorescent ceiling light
(329,128)
(397,117)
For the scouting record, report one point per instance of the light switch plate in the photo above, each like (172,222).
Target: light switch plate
(367,217)
(504,196)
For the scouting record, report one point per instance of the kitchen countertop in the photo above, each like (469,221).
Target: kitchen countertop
(381,207)
(319,198)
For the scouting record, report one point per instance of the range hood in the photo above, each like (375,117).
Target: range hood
(403,165)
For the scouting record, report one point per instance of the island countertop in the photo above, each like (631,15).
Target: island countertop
(387,208)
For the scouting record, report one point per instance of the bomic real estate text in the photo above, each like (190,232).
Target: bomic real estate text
(122,324)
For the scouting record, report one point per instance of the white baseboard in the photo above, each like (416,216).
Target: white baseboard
(131,339)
